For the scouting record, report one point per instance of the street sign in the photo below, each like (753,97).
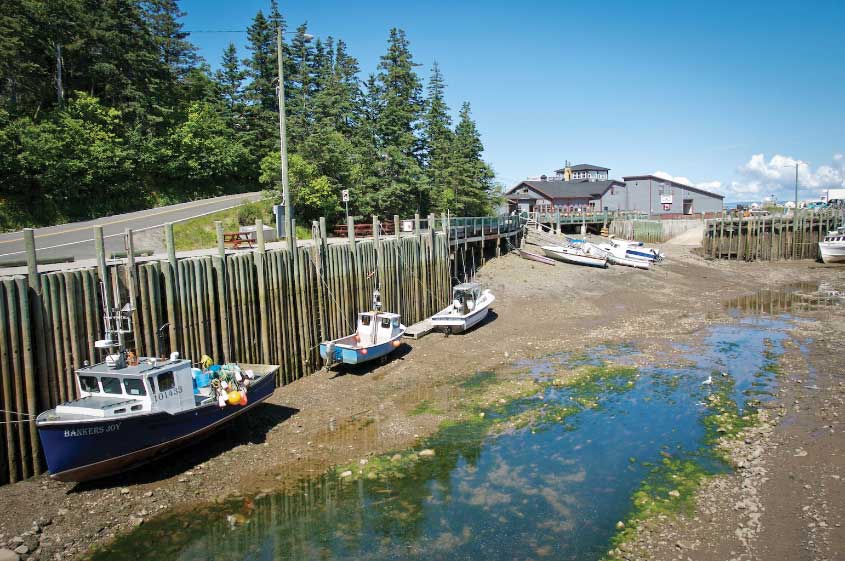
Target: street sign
(345,195)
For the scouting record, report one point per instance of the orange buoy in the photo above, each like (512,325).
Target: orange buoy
(363,351)
(396,344)
(243,398)
(234,397)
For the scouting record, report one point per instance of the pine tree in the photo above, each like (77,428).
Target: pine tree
(261,65)
(438,140)
(470,177)
(176,52)
(230,79)
(398,167)
(299,85)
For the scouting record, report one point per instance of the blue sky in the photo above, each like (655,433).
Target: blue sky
(722,95)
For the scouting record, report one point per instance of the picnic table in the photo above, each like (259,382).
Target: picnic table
(237,239)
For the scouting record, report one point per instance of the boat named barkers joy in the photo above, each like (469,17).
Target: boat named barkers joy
(832,248)
(378,334)
(133,410)
(470,304)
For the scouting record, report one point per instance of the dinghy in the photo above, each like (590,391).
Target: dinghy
(574,255)
(470,304)
(637,250)
(378,334)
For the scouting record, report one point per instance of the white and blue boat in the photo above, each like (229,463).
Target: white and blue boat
(377,335)
(637,250)
(131,411)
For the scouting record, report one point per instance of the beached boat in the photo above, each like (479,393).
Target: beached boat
(618,256)
(534,257)
(470,304)
(377,334)
(832,247)
(133,410)
(574,255)
(637,250)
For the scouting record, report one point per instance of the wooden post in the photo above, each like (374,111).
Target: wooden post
(31,262)
(37,310)
(417,224)
(350,232)
(221,246)
(101,266)
(260,259)
(174,288)
(324,240)
(259,235)
(396,225)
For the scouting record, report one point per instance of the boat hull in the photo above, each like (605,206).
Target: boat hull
(575,259)
(832,252)
(91,449)
(353,355)
(457,324)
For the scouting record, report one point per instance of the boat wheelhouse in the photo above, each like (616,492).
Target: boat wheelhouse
(470,304)
(832,247)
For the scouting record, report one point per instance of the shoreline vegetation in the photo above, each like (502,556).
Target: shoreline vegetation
(95,122)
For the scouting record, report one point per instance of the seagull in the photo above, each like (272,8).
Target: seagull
(708,381)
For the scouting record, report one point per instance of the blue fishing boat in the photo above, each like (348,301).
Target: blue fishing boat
(133,410)
(377,335)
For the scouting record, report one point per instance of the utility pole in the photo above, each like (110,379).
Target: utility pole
(283,148)
(795,165)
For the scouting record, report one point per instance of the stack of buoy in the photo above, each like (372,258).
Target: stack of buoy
(228,381)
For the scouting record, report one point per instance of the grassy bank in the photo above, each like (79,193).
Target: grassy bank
(201,232)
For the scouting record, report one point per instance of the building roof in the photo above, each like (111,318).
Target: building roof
(674,183)
(580,189)
(583,167)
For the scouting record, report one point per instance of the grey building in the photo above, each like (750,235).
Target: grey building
(556,195)
(655,195)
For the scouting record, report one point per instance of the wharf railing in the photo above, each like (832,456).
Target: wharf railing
(770,238)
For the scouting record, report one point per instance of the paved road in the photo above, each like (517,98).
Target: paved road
(76,239)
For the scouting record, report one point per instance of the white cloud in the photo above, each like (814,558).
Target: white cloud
(762,178)
(706,185)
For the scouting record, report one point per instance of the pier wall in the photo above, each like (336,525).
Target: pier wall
(770,238)
(261,306)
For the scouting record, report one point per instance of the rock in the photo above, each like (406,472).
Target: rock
(135,521)
(363,461)
(44,521)
(124,491)
(62,512)
(17,540)
(620,525)
(674,493)
(22,550)
(428,452)
(346,473)
(8,555)
(395,457)
(148,494)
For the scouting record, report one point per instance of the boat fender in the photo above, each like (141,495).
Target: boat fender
(396,344)
(250,374)
(224,384)
(243,399)
(206,362)
(174,356)
(234,398)
(221,400)
(238,375)
(247,382)
(363,351)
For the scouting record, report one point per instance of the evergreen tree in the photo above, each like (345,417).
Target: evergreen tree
(299,85)
(438,139)
(176,52)
(398,168)
(470,178)
(230,80)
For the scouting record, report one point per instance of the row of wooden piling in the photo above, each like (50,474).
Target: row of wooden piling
(770,238)
(264,306)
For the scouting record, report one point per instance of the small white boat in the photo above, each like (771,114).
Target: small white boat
(832,247)
(618,256)
(378,334)
(636,250)
(574,255)
(470,305)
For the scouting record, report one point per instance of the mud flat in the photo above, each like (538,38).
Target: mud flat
(341,419)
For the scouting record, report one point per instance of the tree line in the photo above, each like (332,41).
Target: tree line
(106,107)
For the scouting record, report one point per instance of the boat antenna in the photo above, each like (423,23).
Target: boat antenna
(117,324)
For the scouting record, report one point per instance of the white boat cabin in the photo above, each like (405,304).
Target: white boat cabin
(377,327)
(465,296)
(151,385)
